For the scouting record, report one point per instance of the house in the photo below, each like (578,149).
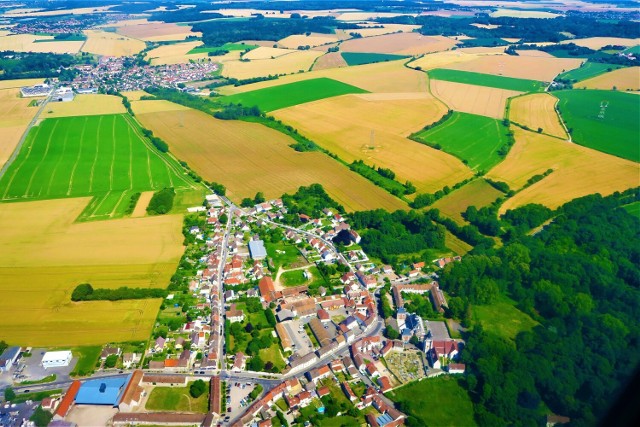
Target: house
(324,316)
(350,322)
(418,265)
(354,236)
(323,391)
(267,289)
(49,404)
(385,384)
(54,359)
(257,249)
(234,315)
(318,374)
(109,351)
(372,370)
(387,269)
(440,349)
(346,388)
(9,358)
(456,368)
(437,298)
(129,360)
(239,362)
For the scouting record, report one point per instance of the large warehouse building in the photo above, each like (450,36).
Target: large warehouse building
(54,359)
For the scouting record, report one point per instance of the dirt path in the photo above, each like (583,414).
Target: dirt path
(141,207)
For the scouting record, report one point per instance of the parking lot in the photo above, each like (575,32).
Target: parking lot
(237,393)
(14,414)
(299,338)
(30,368)
(439,331)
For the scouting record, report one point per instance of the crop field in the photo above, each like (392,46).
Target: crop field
(359,58)
(622,79)
(111,44)
(442,59)
(373,128)
(102,156)
(18,83)
(399,43)
(534,53)
(477,193)
(577,171)
(248,157)
(312,40)
(488,80)
(44,255)
(537,110)
(516,13)
(286,95)
(633,49)
(472,138)
(227,46)
(386,29)
(481,100)
(28,43)
(39,12)
(156,105)
(597,43)
(603,120)
(386,77)
(329,60)
(587,71)
(134,95)
(157,31)
(292,62)
(16,115)
(633,209)
(177,53)
(85,105)
(457,246)
(264,52)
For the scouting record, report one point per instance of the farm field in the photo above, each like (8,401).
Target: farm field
(587,71)
(477,193)
(519,67)
(516,13)
(27,43)
(177,399)
(442,59)
(329,60)
(85,105)
(398,43)
(292,62)
(358,58)
(622,79)
(16,115)
(111,44)
(18,83)
(574,174)
(155,105)
(473,139)
(387,77)
(44,255)
(286,95)
(633,209)
(440,401)
(312,40)
(488,80)
(88,155)
(373,128)
(386,29)
(616,133)
(503,318)
(227,46)
(157,31)
(481,100)
(264,52)
(177,53)
(248,158)
(597,43)
(457,246)
(537,110)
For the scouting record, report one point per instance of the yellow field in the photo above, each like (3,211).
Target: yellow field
(8,84)
(135,95)
(389,77)
(264,52)
(387,29)
(476,193)
(111,44)
(459,247)
(330,60)
(292,62)
(523,14)
(521,67)
(366,16)
(157,31)
(85,105)
(597,43)
(22,13)
(400,43)
(537,111)
(141,207)
(16,115)
(174,53)
(622,79)
(292,42)
(155,106)
(482,100)
(578,171)
(44,255)
(25,43)
(536,53)
(248,158)
(442,59)
(374,128)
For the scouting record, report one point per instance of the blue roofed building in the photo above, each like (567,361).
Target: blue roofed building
(384,419)
(103,391)
(257,250)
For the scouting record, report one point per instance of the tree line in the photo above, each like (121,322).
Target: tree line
(86,292)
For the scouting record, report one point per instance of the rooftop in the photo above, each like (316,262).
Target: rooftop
(103,391)
(256,247)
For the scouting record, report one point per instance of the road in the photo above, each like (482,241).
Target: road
(223,260)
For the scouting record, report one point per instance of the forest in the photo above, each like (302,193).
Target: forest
(22,65)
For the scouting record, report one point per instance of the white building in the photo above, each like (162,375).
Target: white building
(53,359)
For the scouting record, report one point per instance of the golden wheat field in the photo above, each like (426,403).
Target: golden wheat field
(481,100)
(111,44)
(577,171)
(516,13)
(312,40)
(174,53)
(399,43)
(85,105)
(521,67)
(264,52)
(477,193)
(536,53)
(329,60)
(442,59)
(141,207)
(622,79)
(44,255)
(135,95)
(155,106)
(157,31)
(26,43)
(16,115)
(386,29)
(292,62)
(31,13)
(373,128)
(597,43)
(248,157)
(537,110)
(9,84)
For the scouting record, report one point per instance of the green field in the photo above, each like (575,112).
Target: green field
(293,278)
(100,156)
(489,80)
(612,129)
(287,95)
(633,209)
(502,318)
(87,359)
(177,399)
(588,70)
(227,46)
(473,139)
(437,401)
(633,49)
(359,58)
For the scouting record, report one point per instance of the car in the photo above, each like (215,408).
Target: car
(26,391)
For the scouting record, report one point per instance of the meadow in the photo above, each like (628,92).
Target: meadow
(477,193)
(286,95)
(177,399)
(481,100)
(503,318)
(440,401)
(499,82)
(537,111)
(474,139)
(227,46)
(361,58)
(603,120)
(588,70)
(103,156)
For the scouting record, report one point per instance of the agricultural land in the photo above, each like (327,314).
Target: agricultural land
(622,79)
(477,193)
(537,111)
(473,99)
(16,116)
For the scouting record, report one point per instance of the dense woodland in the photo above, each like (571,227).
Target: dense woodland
(22,65)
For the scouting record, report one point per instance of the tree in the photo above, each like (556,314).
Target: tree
(259,197)
(197,388)
(391,333)
(9,394)
(111,361)
(256,363)
(41,418)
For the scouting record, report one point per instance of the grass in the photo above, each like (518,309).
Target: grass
(177,399)
(73,38)
(440,401)
(359,58)
(612,129)
(503,318)
(633,209)
(489,80)
(87,358)
(272,354)
(588,70)
(473,139)
(47,379)
(227,46)
(293,278)
(287,95)
(285,260)
(633,49)
(36,396)
(102,156)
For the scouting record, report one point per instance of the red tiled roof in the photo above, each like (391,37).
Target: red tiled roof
(68,399)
